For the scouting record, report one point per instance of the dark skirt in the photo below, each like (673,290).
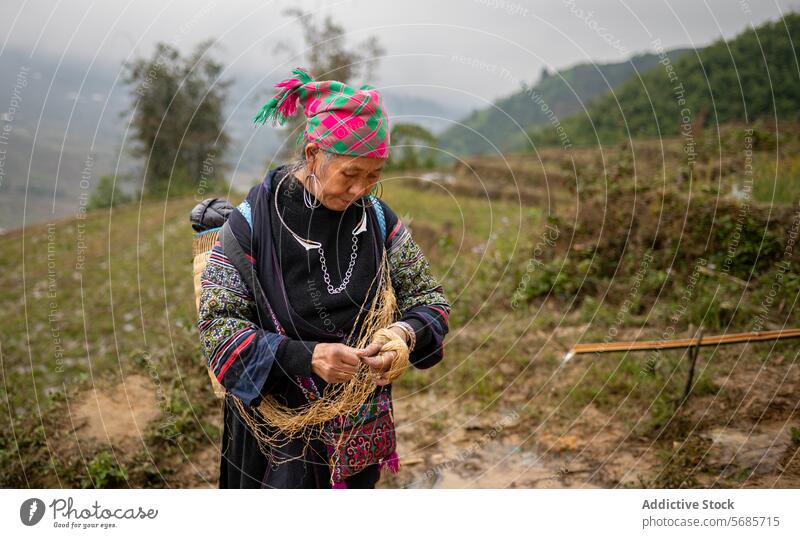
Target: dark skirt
(298,464)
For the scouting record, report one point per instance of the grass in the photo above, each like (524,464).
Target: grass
(73,326)
(105,471)
(777,184)
(128,308)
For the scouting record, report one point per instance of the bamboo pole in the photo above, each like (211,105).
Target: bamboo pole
(725,339)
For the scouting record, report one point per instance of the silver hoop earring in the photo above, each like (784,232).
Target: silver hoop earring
(309,200)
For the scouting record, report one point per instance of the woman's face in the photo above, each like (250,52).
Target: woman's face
(344,179)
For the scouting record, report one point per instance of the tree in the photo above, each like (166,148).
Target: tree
(178,117)
(109,192)
(544,74)
(329,58)
(411,147)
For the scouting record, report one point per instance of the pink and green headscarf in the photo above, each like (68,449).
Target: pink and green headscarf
(340,118)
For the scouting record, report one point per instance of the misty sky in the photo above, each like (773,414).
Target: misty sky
(465,51)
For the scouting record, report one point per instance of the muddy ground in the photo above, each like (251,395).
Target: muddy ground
(739,437)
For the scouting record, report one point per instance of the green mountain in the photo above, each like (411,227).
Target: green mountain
(753,76)
(506,122)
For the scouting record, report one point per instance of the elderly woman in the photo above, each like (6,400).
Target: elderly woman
(316,233)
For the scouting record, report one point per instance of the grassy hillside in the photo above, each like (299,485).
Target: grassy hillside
(104,386)
(753,76)
(91,303)
(95,304)
(506,123)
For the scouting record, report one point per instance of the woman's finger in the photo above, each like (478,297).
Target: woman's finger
(377,362)
(371,361)
(388,357)
(370,350)
(351,359)
(344,368)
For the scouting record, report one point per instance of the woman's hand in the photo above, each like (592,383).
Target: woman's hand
(380,362)
(335,363)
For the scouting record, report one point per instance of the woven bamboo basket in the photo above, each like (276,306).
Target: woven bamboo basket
(202,244)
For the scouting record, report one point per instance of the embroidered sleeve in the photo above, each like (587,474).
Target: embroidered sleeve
(420,297)
(238,352)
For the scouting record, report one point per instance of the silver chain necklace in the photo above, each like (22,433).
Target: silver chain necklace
(308,244)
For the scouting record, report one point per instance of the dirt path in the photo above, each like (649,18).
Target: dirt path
(117,416)
(444,448)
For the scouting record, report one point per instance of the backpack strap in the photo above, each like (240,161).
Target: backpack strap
(247,212)
(233,250)
(380,215)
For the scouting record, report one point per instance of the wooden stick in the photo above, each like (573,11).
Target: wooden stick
(694,352)
(739,338)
